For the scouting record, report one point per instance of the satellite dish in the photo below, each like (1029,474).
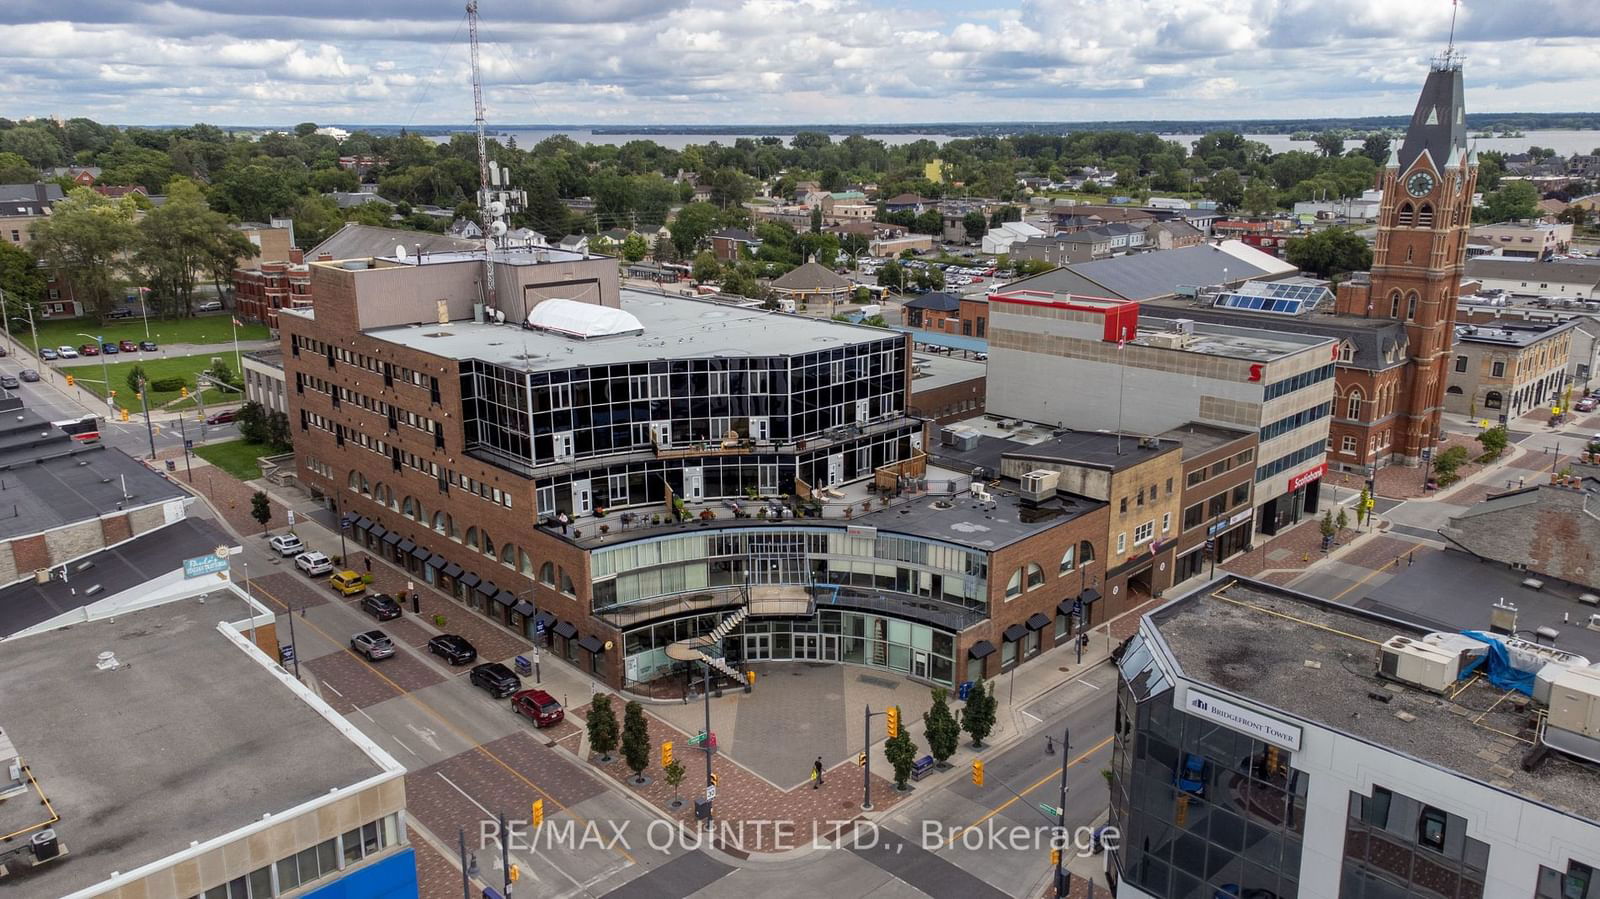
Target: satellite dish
(497,228)
(499,317)
(497,208)
(400,252)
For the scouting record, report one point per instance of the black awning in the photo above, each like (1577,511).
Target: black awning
(545,617)
(1038,621)
(1064,607)
(407,545)
(981,649)
(453,570)
(1015,633)
(378,530)
(506,598)
(364,522)
(488,588)
(566,629)
(392,538)
(421,553)
(1090,595)
(592,644)
(523,607)
(470,579)
(437,560)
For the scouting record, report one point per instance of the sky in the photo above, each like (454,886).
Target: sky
(718,62)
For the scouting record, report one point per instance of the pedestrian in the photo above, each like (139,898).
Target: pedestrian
(816,774)
(367,561)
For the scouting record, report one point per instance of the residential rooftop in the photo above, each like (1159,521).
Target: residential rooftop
(672,328)
(1316,660)
(189,740)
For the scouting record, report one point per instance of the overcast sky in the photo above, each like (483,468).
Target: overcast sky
(779,61)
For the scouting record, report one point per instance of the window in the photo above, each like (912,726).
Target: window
(1411,306)
(566,584)
(1193,516)
(1348,445)
(1085,552)
(1353,405)
(1404,216)
(1492,400)
(1008,654)
(1122,543)
(1035,576)
(1497,369)
(1425,216)
(1123,506)
(1166,522)
(1461,363)
(1347,352)
(1430,829)
(1241,494)
(547,574)
(1169,486)
(1030,644)
(1068,560)
(1014,586)
(1394,304)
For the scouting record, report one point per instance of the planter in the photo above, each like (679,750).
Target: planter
(639,781)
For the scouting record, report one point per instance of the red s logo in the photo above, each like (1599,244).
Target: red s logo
(1255,373)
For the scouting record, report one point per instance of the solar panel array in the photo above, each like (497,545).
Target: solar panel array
(1274,297)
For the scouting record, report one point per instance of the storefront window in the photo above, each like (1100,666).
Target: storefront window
(1008,653)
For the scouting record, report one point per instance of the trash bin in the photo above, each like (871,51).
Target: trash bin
(171,465)
(702,809)
(524,667)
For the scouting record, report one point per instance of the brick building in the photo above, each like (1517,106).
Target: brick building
(259,293)
(1218,482)
(947,389)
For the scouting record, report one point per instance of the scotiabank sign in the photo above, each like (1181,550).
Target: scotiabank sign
(1306,477)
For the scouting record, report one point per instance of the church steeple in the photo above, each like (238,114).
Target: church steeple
(1439,124)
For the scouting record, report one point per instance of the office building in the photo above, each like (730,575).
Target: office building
(1503,369)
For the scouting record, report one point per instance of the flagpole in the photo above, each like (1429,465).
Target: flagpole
(238,361)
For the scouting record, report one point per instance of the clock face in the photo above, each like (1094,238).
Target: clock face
(1420,184)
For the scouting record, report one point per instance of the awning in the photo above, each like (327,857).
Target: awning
(437,560)
(488,588)
(378,530)
(364,522)
(981,649)
(1064,607)
(392,538)
(421,553)
(566,629)
(506,598)
(1014,633)
(453,570)
(470,579)
(546,618)
(523,608)
(1090,595)
(1038,621)
(407,545)
(592,644)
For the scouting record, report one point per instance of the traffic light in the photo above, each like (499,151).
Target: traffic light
(538,812)
(113,393)
(713,778)
(666,754)
(71,380)
(1055,858)
(893,720)
(977,772)
(861,760)
(513,873)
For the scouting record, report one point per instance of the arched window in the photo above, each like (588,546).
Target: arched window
(508,556)
(524,562)
(450,527)
(1014,586)
(1411,306)
(1347,352)
(1069,560)
(1394,304)
(472,537)
(486,543)
(1403,216)
(547,574)
(1453,390)
(1085,553)
(408,508)
(566,584)
(438,522)
(1353,405)
(1492,400)
(1425,216)
(354,482)
(380,493)
(1035,576)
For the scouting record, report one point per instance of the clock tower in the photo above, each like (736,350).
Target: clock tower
(1421,248)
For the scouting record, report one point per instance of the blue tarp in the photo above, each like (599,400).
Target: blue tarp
(1497,665)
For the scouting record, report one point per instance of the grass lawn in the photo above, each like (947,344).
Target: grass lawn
(185,367)
(236,457)
(204,329)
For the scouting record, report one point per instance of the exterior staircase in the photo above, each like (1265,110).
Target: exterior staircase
(693,649)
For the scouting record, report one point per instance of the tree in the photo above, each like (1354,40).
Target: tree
(975,224)
(1330,143)
(252,421)
(940,728)
(674,776)
(84,240)
(16,170)
(1258,198)
(1376,148)
(1515,200)
(279,435)
(634,247)
(1226,188)
(34,142)
(1447,462)
(1342,521)
(315,219)
(816,220)
(893,276)
(222,371)
(136,379)
(1327,526)
(635,740)
(1329,252)
(1361,507)
(693,222)
(602,726)
(20,279)
(902,755)
(705,267)
(1494,442)
(978,716)
(261,509)
(182,239)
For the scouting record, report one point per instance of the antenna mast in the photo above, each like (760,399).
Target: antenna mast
(483,156)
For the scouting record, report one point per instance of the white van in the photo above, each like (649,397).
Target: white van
(870,310)
(786,305)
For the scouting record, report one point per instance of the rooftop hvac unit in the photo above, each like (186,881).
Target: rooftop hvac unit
(1167,340)
(1183,325)
(1038,486)
(1421,665)
(1573,725)
(959,438)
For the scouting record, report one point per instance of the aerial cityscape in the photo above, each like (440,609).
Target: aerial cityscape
(800,448)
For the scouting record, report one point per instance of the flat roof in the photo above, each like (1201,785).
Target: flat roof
(674,328)
(938,370)
(189,740)
(1258,641)
(1231,342)
(1100,449)
(43,488)
(1510,332)
(1198,438)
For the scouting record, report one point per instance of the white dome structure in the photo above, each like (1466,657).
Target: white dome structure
(582,320)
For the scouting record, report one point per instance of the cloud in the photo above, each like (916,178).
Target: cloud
(778,61)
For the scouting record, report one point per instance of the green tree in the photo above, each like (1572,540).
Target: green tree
(1331,251)
(315,219)
(1361,507)
(1226,188)
(1258,198)
(253,192)
(902,755)
(279,435)
(1329,143)
(693,222)
(1494,442)
(892,276)
(673,774)
(940,728)
(34,142)
(602,726)
(261,509)
(1446,464)
(181,240)
(634,247)
(136,379)
(978,715)
(252,421)
(975,224)
(1515,200)
(705,267)
(1342,520)
(816,220)
(635,740)
(128,163)
(16,170)
(84,240)
(1376,148)
(1327,526)
(20,280)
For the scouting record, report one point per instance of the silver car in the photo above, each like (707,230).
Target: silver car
(374,645)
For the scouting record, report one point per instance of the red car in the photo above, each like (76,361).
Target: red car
(128,346)
(221,418)
(89,349)
(537,706)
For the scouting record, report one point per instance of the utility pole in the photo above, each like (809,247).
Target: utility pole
(5,321)
(1063,879)
(866,757)
(706,694)
(189,467)
(144,402)
(35,329)
(466,882)
(290,609)
(505,857)
(344,553)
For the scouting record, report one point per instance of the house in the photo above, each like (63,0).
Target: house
(812,283)
(616,235)
(117,192)
(81,175)
(575,243)
(1567,278)
(999,239)
(894,246)
(1526,240)
(905,203)
(466,229)
(23,204)
(934,312)
(727,243)
(524,237)
(1064,248)
(352,199)
(1172,235)
(658,235)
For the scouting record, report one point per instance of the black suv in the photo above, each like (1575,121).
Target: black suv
(453,648)
(497,679)
(381,606)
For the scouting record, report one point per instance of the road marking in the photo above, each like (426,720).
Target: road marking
(365,715)
(1086,683)
(328,685)
(1033,716)
(412,698)
(425,734)
(1036,785)
(405,747)
(1370,575)
(492,815)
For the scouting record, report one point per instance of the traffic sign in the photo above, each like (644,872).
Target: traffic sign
(711,792)
(188,444)
(538,626)
(1050,810)
(291,518)
(286,653)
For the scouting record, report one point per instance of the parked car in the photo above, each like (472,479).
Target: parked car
(147,346)
(374,645)
(287,545)
(89,349)
(1587,404)
(209,306)
(28,374)
(110,348)
(453,648)
(9,382)
(221,418)
(49,355)
(537,706)
(313,563)
(381,606)
(495,678)
(128,346)
(67,352)
(347,583)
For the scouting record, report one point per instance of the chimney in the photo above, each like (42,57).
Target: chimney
(41,193)
(324,257)
(297,256)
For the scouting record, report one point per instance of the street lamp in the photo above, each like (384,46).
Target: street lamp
(105,370)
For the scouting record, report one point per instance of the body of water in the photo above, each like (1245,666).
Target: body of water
(1565,143)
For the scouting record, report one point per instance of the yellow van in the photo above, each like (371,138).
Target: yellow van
(347,583)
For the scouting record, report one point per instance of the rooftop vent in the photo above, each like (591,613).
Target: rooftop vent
(107,661)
